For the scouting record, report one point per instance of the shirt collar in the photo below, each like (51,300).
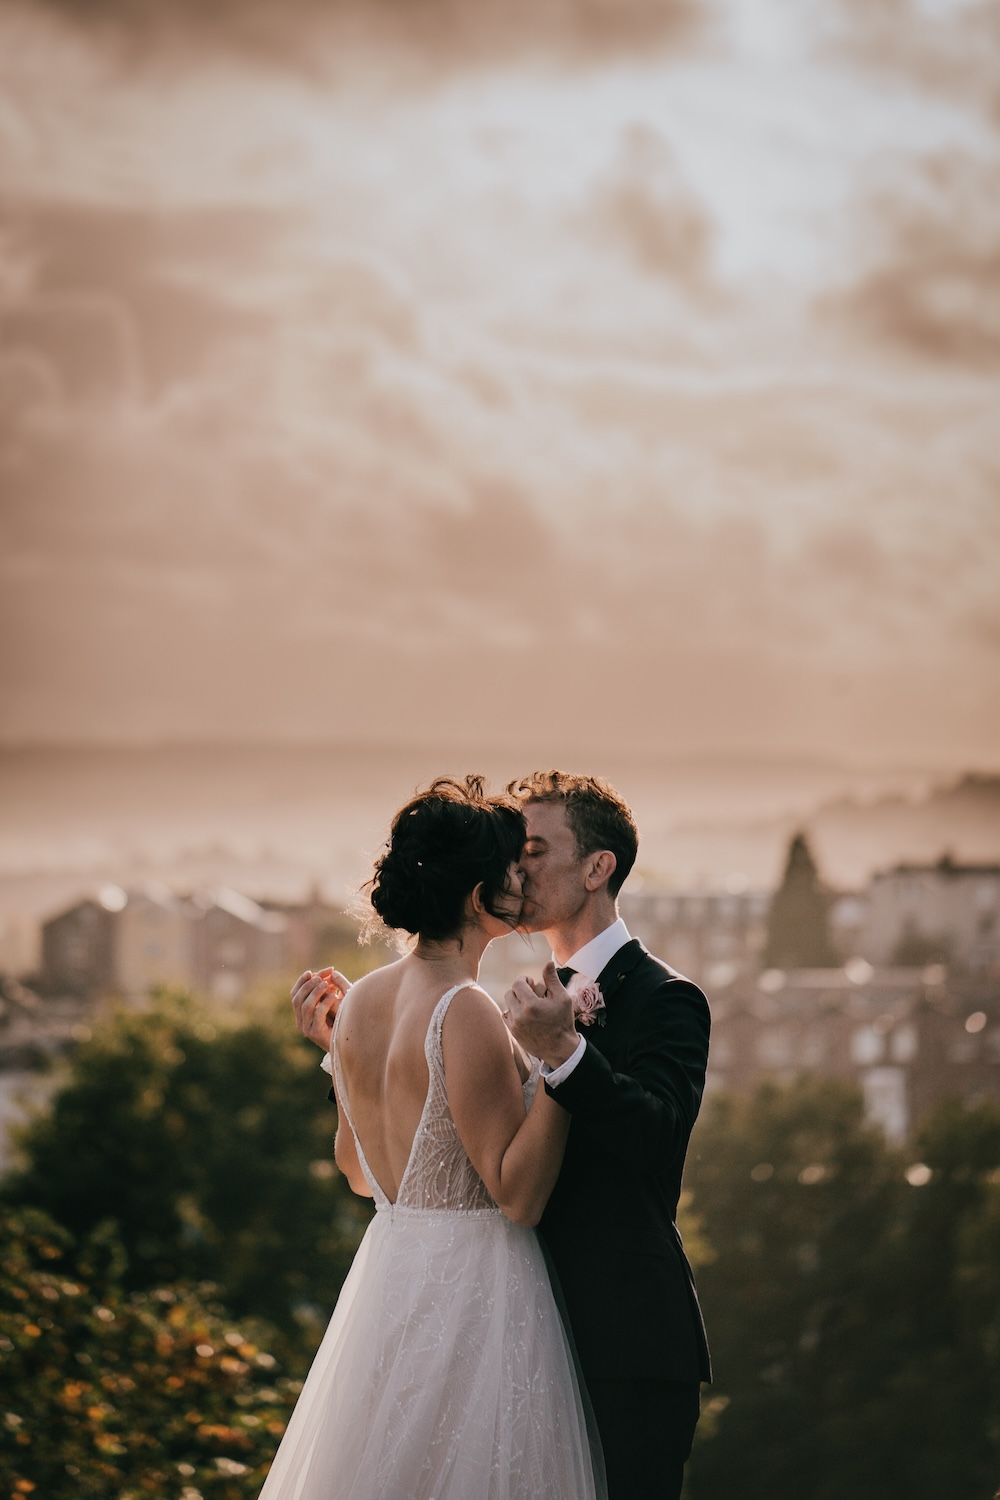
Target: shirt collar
(595,956)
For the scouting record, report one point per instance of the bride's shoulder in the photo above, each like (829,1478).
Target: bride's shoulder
(471,995)
(372,989)
(471,1008)
(474,1036)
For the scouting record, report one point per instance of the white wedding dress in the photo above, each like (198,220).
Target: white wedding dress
(445,1373)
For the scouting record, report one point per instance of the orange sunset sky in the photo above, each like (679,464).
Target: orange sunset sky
(413,371)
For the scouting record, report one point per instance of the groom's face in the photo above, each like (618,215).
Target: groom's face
(555,886)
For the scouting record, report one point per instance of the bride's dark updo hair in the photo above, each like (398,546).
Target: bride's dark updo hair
(442,845)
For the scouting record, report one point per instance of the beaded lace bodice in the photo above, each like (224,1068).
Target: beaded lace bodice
(439,1175)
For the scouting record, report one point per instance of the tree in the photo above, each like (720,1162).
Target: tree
(797,929)
(137,1395)
(209,1147)
(854,1313)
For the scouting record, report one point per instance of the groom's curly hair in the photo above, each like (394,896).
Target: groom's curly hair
(599,816)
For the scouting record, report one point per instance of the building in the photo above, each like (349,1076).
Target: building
(909,916)
(151,941)
(234,944)
(78,946)
(712,938)
(126,943)
(318,934)
(906,1037)
(943,913)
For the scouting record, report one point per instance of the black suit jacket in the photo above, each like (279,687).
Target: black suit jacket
(610,1223)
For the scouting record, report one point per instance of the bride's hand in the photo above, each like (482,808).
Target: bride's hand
(316,999)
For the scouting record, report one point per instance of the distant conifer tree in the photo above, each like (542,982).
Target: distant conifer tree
(797,932)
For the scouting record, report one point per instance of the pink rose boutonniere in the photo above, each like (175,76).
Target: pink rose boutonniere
(588,1002)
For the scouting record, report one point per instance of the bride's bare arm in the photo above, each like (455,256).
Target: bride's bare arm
(345,1153)
(517,1155)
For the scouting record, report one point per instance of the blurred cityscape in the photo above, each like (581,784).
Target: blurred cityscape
(894,986)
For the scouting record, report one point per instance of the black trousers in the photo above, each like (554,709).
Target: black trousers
(647,1428)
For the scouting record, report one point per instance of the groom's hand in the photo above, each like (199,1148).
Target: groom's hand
(316,1000)
(540,1017)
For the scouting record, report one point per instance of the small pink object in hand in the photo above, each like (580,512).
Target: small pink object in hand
(588,1002)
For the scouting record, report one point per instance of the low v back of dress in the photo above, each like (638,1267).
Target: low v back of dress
(438,1173)
(445,1373)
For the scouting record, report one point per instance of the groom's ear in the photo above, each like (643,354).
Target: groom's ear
(600,869)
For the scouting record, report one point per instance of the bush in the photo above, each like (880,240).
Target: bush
(125,1395)
(209,1147)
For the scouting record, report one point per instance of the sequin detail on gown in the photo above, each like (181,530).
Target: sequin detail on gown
(445,1372)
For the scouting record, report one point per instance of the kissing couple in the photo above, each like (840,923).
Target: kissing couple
(472,1356)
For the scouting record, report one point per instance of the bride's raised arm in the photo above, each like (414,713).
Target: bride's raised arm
(517,1154)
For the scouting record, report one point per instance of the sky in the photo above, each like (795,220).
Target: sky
(619,371)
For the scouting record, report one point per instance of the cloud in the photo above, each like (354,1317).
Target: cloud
(932,288)
(427,443)
(105,298)
(333,524)
(645,205)
(951,50)
(440,32)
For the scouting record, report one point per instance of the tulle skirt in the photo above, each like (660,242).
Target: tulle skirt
(445,1374)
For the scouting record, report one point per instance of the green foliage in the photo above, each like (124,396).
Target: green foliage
(209,1147)
(797,924)
(854,1317)
(125,1395)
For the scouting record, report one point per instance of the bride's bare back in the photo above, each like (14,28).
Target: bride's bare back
(381,1036)
(380,1044)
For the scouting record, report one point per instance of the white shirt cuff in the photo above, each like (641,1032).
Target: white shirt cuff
(556,1076)
(327,1064)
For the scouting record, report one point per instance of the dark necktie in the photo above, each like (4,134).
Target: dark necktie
(565,974)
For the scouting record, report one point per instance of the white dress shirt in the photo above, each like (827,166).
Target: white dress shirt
(589,961)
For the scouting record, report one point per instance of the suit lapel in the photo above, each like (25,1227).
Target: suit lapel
(608,1037)
(614,974)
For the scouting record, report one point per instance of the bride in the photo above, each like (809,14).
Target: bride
(445,1373)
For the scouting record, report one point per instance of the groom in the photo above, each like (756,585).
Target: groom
(632,1079)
